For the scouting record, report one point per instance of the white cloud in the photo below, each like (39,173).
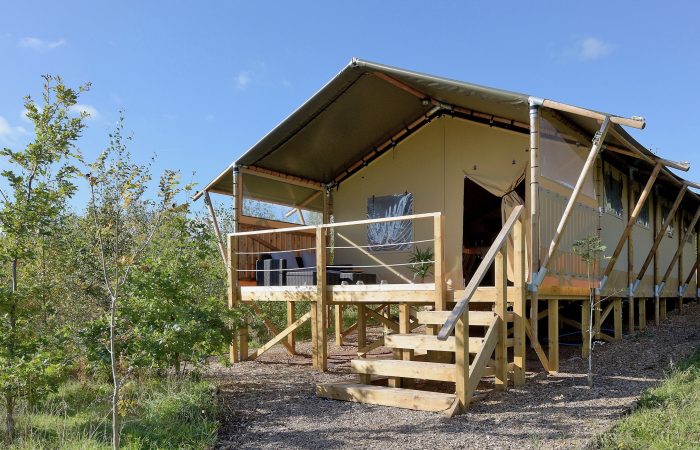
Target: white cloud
(41,45)
(89,109)
(243,79)
(8,133)
(590,49)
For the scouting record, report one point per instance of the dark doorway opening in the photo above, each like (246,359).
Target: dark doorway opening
(481,224)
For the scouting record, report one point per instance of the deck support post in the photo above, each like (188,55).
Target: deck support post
(501,283)
(462,362)
(233,291)
(439,267)
(319,310)
(553,320)
(532,200)
(642,314)
(519,352)
(291,312)
(362,335)
(585,328)
(338,321)
(617,315)
(663,309)
(630,313)
(657,310)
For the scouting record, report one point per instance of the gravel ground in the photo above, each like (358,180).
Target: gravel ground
(271,403)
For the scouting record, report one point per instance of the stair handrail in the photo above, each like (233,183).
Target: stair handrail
(449,325)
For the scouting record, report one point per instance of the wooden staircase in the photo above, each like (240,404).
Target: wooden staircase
(481,349)
(459,353)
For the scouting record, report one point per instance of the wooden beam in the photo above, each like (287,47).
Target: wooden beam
(634,122)
(282,177)
(536,346)
(661,233)
(617,305)
(338,322)
(439,265)
(585,328)
(476,369)
(215,225)
(519,352)
(462,362)
(280,337)
(273,328)
(681,242)
(632,219)
(291,312)
(553,321)
(585,171)
(233,290)
(501,304)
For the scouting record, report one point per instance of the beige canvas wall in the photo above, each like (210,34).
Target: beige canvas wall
(432,165)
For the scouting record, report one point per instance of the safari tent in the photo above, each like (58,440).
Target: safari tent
(449,213)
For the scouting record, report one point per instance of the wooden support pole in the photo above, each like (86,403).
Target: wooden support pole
(291,342)
(338,322)
(585,328)
(553,319)
(679,250)
(405,328)
(617,315)
(501,283)
(237,183)
(233,291)
(462,362)
(642,314)
(585,171)
(519,352)
(215,225)
(319,331)
(632,219)
(630,314)
(439,267)
(657,310)
(681,246)
(663,309)
(362,336)
(660,233)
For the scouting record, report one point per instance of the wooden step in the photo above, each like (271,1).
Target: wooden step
(405,369)
(415,341)
(386,396)
(482,318)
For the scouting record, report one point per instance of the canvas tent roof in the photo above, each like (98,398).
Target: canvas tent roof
(359,109)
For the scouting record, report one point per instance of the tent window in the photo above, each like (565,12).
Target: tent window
(643,218)
(390,236)
(613,186)
(665,209)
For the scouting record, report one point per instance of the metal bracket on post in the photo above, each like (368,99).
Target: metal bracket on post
(633,287)
(601,286)
(681,290)
(658,288)
(538,279)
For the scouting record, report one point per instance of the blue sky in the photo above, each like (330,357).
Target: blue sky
(202,81)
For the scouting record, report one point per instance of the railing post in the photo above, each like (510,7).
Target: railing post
(439,268)
(501,284)
(318,310)
(462,361)
(519,351)
(233,291)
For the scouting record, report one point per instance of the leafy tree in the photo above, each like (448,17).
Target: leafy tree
(40,181)
(124,222)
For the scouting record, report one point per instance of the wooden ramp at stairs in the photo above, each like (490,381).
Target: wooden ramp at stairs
(482,349)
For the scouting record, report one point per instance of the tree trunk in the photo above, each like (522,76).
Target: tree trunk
(9,396)
(116,425)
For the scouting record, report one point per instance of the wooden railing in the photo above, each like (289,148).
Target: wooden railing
(318,313)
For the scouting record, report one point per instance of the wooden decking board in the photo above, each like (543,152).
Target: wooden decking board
(480,318)
(386,396)
(427,342)
(404,369)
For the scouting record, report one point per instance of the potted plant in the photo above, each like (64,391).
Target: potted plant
(421,263)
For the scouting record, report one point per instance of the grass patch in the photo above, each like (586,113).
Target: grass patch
(156,414)
(668,416)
